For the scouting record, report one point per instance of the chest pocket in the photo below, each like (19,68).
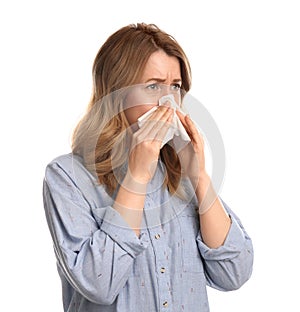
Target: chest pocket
(189,226)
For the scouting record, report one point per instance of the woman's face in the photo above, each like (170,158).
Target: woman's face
(161,76)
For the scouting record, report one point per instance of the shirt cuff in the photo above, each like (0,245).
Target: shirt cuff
(233,245)
(112,223)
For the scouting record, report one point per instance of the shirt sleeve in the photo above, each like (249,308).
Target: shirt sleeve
(95,248)
(229,266)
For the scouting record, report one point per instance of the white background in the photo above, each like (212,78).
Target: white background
(246,71)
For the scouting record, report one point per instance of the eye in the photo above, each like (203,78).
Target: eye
(176,87)
(153,87)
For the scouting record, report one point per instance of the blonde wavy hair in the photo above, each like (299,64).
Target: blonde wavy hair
(99,137)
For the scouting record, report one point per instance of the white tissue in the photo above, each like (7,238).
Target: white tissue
(177,130)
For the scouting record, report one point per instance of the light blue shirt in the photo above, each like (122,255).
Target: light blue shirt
(105,267)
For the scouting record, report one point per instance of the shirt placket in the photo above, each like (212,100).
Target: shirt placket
(162,265)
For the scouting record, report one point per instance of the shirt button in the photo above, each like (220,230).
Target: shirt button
(157,236)
(162,270)
(165,304)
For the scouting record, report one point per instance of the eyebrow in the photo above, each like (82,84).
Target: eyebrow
(162,80)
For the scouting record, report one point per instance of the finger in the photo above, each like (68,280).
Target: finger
(156,121)
(160,113)
(182,118)
(161,133)
(184,123)
(194,133)
(191,126)
(160,128)
(153,124)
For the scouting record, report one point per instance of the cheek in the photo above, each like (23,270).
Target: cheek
(133,113)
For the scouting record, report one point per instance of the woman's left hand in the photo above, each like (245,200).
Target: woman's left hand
(214,220)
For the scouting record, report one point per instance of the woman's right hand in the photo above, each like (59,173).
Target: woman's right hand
(146,144)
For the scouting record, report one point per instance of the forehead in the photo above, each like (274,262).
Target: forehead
(162,65)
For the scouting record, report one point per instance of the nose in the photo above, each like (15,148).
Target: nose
(167,90)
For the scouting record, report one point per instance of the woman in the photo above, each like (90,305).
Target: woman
(140,229)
